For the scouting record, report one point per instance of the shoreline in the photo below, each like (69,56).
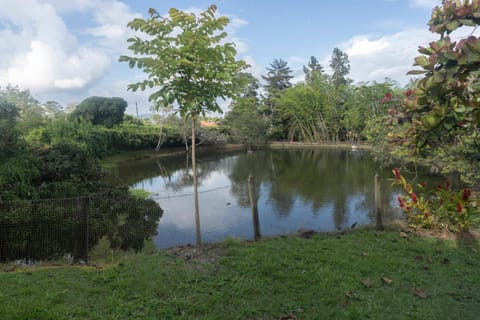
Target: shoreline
(171,152)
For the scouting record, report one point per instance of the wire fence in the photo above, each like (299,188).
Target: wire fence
(47,229)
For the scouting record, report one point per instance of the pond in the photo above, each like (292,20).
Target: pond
(323,189)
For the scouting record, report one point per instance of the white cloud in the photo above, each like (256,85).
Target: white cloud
(373,59)
(39,52)
(255,69)
(240,45)
(425,3)
(70,5)
(107,31)
(362,46)
(112,18)
(237,22)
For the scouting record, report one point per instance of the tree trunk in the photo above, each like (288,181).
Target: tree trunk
(195,191)
(185,140)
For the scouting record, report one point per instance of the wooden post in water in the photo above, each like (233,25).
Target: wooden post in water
(253,204)
(378,203)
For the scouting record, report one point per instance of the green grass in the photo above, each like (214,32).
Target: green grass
(317,278)
(139,193)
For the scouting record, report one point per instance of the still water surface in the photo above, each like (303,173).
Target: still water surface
(319,189)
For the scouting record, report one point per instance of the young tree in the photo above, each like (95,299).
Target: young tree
(189,63)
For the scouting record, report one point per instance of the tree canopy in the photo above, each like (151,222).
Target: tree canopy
(101,110)
(8,131)
(278,76)
(186,58)
(340,66)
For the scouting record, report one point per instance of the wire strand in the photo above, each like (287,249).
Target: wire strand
(186,194)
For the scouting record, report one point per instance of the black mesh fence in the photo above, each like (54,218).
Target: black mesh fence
(47,229)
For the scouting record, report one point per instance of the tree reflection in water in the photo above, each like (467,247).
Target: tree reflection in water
(323,189)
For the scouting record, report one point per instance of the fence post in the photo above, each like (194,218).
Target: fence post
(253,204)
(80,250)
(378,203)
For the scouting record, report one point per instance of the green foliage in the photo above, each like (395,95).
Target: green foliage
(31,115)
(321,111)
(187,62)
(53,109)
(291,277)
(17,174)
(126,222)
(444,108)
(67,170)
(101,111)
(101,141)
(186,59)
(8,130)
(340,66)
(245,122)
(139,193)
(247,126)
(302,109)
(442,208)
(278,77)
(313,72)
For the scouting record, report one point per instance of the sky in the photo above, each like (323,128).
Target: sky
(68,50)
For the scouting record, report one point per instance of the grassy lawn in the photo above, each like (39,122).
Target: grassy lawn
(358,275)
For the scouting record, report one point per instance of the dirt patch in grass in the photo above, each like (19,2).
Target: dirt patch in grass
(471,237)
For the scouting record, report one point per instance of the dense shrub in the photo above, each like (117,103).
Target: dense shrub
(101,141)
(47,229)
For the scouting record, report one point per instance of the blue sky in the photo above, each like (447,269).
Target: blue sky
(68,50)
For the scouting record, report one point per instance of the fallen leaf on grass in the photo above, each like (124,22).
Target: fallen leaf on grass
(419,292)
(403,235)
(366,282)
(288,317)
(349,294)
(387,280)
(430,260)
